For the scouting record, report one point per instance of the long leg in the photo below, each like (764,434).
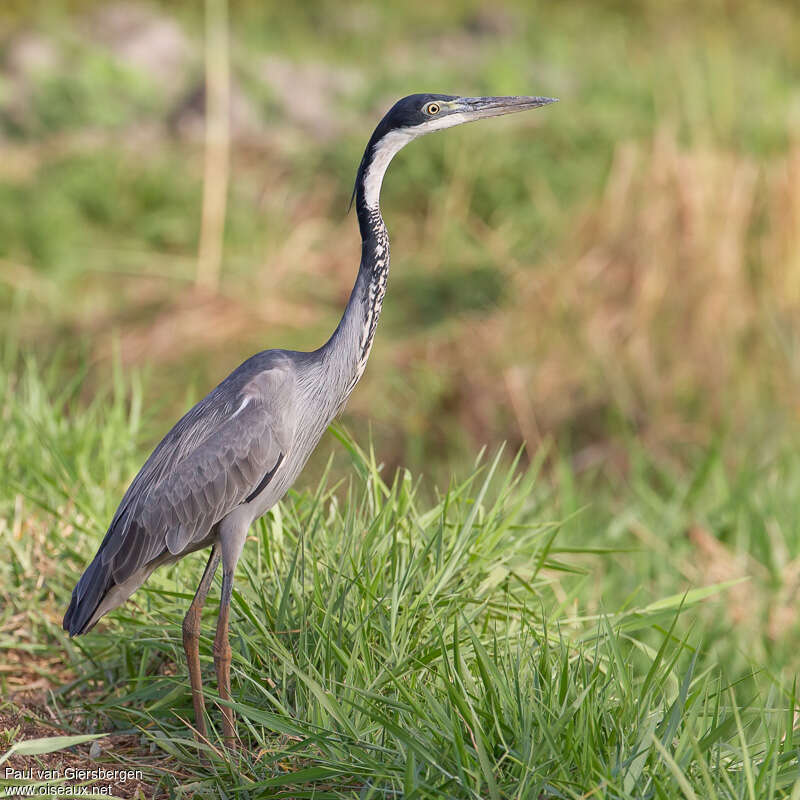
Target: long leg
(191,639)
(222,656)
(232,533)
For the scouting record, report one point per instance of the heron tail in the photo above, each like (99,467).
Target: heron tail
(87,596)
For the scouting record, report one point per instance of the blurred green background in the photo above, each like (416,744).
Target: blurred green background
(626,262)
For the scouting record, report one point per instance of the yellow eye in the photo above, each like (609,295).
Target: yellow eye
(432,108)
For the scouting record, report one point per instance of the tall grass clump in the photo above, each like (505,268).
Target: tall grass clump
(382,645)
(388,639)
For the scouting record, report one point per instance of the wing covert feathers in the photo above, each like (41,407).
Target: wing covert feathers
(210,462)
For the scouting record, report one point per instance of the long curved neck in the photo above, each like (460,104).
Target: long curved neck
(347,351)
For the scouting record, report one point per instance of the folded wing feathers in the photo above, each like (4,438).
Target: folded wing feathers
(208,464)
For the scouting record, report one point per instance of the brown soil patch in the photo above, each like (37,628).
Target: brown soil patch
(122,774)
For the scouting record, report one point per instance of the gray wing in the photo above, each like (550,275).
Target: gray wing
(216,457)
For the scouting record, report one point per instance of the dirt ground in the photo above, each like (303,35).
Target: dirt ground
(119,763)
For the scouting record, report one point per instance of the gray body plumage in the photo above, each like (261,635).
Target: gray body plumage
(234,455)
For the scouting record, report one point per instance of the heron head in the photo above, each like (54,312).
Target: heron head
(419,114)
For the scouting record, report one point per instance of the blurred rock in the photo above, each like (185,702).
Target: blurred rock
(146,40)
(363,18)
(30,53)
(28,56)
(491,21)
(308,92)
(187,119)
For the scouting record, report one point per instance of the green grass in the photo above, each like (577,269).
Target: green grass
(496,639)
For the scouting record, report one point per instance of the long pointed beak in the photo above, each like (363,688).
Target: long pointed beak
(480,107)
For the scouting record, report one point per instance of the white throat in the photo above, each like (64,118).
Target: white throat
(391,144)
(386,149)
